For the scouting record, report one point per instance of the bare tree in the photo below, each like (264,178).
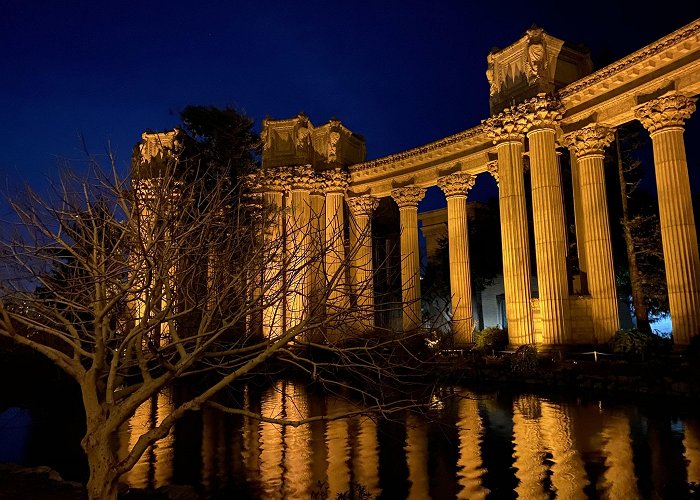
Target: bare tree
(132,286)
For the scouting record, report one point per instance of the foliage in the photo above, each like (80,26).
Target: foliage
(490,339)
(524,360)
(357,491)
(638,343)
(638,250)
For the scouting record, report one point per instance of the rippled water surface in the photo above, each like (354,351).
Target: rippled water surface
(476,445)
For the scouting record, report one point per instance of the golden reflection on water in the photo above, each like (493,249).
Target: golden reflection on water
(470,431)
(529,448)
(619,480)
(155,467)
(555,448)
(691,443)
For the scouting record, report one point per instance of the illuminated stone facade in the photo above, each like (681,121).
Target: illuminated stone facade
(543,97)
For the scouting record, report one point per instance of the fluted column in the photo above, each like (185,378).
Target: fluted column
(273,184)
(362,208)
(298,244)
(318,246)
(588,144)
(407,199)
(664,118)
(507,131)
(456,186)
(336,183)
(542,114)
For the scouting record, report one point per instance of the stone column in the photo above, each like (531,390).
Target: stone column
(273,184)
(407,199)
(298,244)
(362,208)
(507,131)
(542,114)
(317,279)
(588,144)
(336,182)
(456,186)
(664,119)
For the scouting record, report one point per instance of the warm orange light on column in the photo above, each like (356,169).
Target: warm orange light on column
(456,186)
(507,131)
(664,118)
(588,144)
(407,198)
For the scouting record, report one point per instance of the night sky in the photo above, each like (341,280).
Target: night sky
(400,73)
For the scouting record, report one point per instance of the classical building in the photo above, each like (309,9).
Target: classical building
(543,97)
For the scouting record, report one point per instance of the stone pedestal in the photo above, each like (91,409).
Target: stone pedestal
(456,187)
(664,118)
(407,199)
(542,115)
(507,131)
(588,144)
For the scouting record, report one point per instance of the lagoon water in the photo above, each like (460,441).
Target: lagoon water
(472,445)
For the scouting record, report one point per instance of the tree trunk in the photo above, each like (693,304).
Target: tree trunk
(640,309)
(102,460)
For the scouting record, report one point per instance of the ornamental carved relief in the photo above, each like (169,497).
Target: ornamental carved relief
(363,205)
(457,184)
(408,196)
(669,110)
(536,63)
(492,168)
(273,180)
(542,111)
(302,178)
(509,125)
(336,180)
(589,140)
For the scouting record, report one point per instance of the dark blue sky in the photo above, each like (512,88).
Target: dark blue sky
(401,73)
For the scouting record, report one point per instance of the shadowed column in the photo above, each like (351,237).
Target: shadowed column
(362,208)
(588,144)
(456,186)
(664,118)
(298,244)
(507,131)
(407,198)
(273,184)
(336,182)
(542,114)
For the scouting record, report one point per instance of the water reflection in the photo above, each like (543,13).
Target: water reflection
(475,446)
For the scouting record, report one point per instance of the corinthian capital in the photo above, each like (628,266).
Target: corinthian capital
(669,110)
(589,140)
(363,205)
(457,184)
(506,126)
(271,180)
(336,180)
(541,112)
(302,178)
(492,168)
(408,196)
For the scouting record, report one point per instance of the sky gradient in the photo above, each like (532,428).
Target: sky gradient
(400,73)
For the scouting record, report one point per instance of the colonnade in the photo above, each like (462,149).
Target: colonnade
(312,222)
(307,270)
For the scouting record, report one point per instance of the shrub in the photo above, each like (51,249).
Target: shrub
(636,343)
(524,360)
(490,339)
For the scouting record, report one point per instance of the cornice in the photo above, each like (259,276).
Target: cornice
(651,50)
(415,152)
